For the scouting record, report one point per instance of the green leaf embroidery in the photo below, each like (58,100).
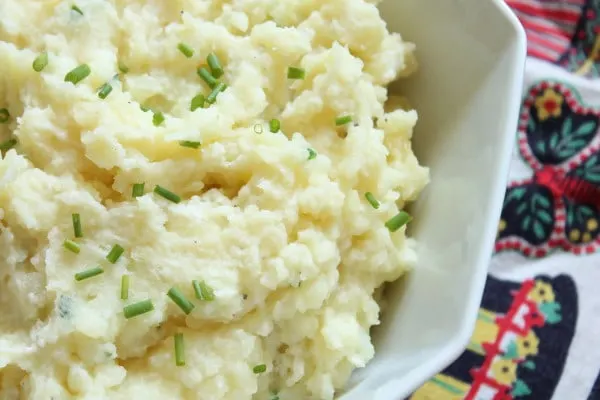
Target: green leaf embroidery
(544,216)
(520,389)
(515,194)
(526,223)
(554,140)
(531,125)
(576,144)
(521,209)
(512,351)
(570,218)
(567,127)
(585,210)
(592,177)
(586,128)
(538,230)
(551,312)
(541,146)
(591,160)
(529,364)
(590,170)
(543,200)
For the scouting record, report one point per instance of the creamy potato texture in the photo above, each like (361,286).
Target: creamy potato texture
(291,248)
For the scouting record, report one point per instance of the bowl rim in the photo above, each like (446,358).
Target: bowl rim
(459,341)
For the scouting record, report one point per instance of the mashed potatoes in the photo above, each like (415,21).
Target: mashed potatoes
(276,224)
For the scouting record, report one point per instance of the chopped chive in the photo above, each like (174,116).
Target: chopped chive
(71,246)
(158,118)
(167,194)
(215,65)
(203,291)
(186,50)
(144,108)
(197,102)
(311,154)
(139,308)
(259,369)
(343,120)
(4,115)
(207,77)
(77,9)
(78,74)
(138,190)
(190,144)
(179,298)
(77,225)
(123,67)
(295,73)
(398,221)
(40,62)
(7,145)
(179,350)
(223,87)
(104,90)
(274,125)
(212,97)
(88,273)
(372,200)
(115,253)
(124,287)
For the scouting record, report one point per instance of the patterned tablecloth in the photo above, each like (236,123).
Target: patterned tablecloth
(538,330)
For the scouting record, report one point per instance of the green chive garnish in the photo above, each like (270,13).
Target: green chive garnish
(167,194)
(197,102)
(343,120)
(123,67)
(158,118)
(144,108)
(77,9)
(71,246)
(115,253)
(203,291)
(212,97)
(139,308)
(186,50)
(124,287)
(207,77)
(78,74)
(190,144)
(138,190)
(4,115)
(7,145)
(40,62)
(311,154)
(104,90)
(274,125)
(88,273)
(259,369)
(179,350)
(77,225)
(215,65)
(398,221)
(179,298)
(372,200)
(295,73)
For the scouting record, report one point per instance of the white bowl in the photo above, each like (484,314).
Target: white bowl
(467,93)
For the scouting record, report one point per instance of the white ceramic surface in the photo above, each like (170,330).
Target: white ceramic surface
(467,93)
